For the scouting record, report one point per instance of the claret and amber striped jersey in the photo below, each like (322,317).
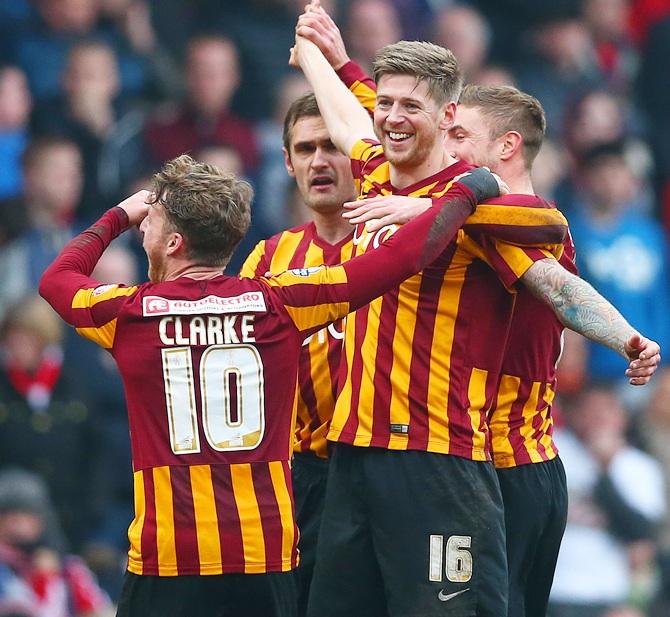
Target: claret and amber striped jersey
(521,422)
(301,247)
(209,370)
(423,361)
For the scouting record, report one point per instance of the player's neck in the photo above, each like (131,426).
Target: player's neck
(193,271)
(404,176)
(521,186)
(331,227)
(516,175)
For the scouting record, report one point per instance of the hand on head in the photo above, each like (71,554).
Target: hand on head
(136,206)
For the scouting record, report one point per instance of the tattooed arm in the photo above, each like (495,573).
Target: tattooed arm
(582,309)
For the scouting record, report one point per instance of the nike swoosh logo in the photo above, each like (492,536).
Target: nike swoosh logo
(445,597)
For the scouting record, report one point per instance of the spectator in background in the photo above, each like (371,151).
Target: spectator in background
(612,514)
(269,210)
(15,107)
(464,30)
(133,20)
(107,131)
(223,157)
(370,25)
(52,171)
(654,94)
(559,64)
(621,251)
(42,47)
(36,578)
(597,118)
(212,77)
(549,169)
(46,425)
(655,430)
(607,22)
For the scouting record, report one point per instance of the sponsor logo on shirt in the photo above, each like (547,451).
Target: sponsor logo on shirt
(253,302)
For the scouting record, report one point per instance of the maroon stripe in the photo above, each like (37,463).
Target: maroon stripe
(492,386)
(306,386)
(186,538)
(460,430)
(535,254)
(520,234)
(499,265)
(271,245)
(334,356)
(538,420)
(286,467)
(298,258)
(516,199)
(516,422)
(422,344)
(230,532)
(269,512)
(149,541)
(381,402)
(360,318)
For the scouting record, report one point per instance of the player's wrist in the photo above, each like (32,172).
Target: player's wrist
(482,183)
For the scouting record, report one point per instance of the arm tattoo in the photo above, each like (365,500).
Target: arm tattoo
(578,306)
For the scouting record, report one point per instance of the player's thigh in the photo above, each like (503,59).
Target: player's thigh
(544,565)
(535,501)
(309,490)
(228,595)
(346,578)
(438,533)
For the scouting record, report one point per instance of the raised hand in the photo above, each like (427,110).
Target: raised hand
(317,26)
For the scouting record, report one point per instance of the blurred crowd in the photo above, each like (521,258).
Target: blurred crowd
(96,94)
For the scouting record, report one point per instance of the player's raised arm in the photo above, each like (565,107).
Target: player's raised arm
(582,309)
(346,120)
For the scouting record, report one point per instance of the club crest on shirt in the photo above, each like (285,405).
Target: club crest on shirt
(101,289)
(305,271)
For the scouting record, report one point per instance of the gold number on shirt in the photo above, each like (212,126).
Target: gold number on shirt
(231,393)
(457,559)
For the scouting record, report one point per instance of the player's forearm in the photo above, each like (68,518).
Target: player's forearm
(70,271)
(346,120)
(577,305)
(411,248)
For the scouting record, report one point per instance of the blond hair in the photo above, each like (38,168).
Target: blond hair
(433,64)
(509,109)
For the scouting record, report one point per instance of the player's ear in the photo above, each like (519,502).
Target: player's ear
(175,243)
(512,142)
(287,163)
(448,115)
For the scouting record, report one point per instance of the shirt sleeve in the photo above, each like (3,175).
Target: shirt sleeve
(316,296)
(360,84)
(518,224)
(510,261)
(80,300)
(366,155)
(256,263)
